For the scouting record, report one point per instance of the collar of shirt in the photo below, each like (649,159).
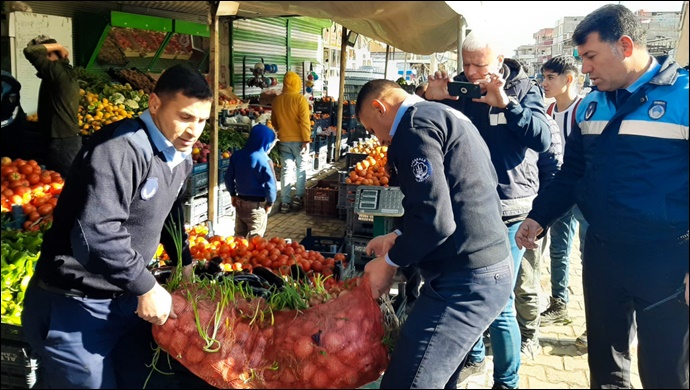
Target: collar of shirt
(409,102)
(173,157)
(648,75)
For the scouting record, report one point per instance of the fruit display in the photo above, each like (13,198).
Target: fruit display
(34,190)
(20,252)
(106,103)
(111,54)
(200,152)
(372,170)
(137,79)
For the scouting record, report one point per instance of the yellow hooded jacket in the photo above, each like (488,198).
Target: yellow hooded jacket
(290,114)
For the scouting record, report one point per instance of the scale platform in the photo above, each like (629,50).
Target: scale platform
(379,201)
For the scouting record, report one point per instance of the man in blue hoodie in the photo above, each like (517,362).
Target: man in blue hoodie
(251,181)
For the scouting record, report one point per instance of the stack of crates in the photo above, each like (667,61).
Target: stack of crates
(196,195)
(322,199)
(225,208)
(18,369)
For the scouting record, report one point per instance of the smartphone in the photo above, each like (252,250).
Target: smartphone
(464,90)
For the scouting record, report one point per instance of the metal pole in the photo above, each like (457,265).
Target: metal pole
(341,93)
(214,63)
(461,36)
(385,66)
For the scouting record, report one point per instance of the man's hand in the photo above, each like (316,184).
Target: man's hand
(305,147)
(495,94)
(234,201)
(686,289)
(526,236)
(437,88)
(381,245)
(380,276)
(155,306)
(268,209)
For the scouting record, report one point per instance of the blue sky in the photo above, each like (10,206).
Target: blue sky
(520,19)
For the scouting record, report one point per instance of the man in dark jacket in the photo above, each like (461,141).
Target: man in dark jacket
(13,117)
(452,232)
(511,118)
(626,168)
(251,181)
(58,101)
(89,307)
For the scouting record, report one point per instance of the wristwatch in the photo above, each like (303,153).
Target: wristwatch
(512,102)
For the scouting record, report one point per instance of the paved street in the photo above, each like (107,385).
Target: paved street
(560,365)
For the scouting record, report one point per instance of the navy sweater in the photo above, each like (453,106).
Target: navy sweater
(110,218)
(452,210)
(251,170)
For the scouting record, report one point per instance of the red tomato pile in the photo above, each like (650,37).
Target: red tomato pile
(25,184)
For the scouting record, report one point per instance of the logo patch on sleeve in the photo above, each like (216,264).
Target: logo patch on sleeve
(421,169)
(591,109)
(149,189)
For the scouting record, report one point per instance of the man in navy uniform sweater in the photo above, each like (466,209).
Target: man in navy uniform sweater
(89,307)
(452,232)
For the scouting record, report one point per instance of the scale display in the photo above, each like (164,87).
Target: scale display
(375,200)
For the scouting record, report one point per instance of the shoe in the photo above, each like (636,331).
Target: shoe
(529,349)
(297,203)
(285,208)
(470,369)
(556,313)
(582,340)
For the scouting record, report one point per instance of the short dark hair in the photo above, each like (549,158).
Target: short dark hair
(561,64)
(611,21)
(183,78)
(373,88)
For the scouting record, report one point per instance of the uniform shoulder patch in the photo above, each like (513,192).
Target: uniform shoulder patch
(421,169)
(591,109)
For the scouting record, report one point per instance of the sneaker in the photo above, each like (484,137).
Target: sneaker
(297,203)
(582,340)
(285,208)
(470,369)
(556,313)
(529,349)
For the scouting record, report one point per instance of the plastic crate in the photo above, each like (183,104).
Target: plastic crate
(355,247)
(199,167)
(225,204)
(196,210)
(359,225)
(321,158)
(322,199)
(18,369)
(324,107)
(351,159)
(223,163)
(346,195)
(329,247)
(197,184)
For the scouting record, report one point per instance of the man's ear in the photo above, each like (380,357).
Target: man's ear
(627,45)
(154,103)
(378,106)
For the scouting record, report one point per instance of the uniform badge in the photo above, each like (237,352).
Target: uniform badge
(421,168)
(657,110)
(591,109)
(149,189)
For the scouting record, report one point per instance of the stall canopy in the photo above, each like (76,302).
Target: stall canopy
(418,27)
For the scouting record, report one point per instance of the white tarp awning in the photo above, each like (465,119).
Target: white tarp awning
(417,27)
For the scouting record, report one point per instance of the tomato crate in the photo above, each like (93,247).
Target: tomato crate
(322,199)
(327,246)
(196,210)
(197,184)
(18,368)
(355,249)
(346,195)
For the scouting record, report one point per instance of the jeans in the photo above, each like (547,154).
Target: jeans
(620,280)
(504,330)
(453,309)
(562,233)
(294,164)
(527,292)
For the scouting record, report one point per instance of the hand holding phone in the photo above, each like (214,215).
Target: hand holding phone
(464,90)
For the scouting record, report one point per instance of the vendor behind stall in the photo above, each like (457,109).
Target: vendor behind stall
(12,116)
(58,100)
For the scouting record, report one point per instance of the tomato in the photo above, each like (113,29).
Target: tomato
(33,163)
(27,225)
(53,201)
(17,199)
(26,169)
(19,162)
(45,209)
(8,169)
(39,201)
(14,176)
(46,178)
(8,193)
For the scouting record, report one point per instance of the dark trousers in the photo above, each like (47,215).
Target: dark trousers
(62,152)
(88,343)
(452,311)
(620,280)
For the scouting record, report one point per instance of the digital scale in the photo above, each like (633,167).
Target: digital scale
(379,201)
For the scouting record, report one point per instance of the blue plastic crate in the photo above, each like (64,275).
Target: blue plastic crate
(197,184)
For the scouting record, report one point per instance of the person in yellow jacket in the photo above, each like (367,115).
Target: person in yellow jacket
(290,116)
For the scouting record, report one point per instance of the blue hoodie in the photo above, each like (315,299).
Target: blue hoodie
(251,171)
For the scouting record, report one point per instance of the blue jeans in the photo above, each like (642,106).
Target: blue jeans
(562,233)
(294,165)
(453,309)
(504,330)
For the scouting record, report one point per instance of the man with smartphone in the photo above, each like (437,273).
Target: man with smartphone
(510,115)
